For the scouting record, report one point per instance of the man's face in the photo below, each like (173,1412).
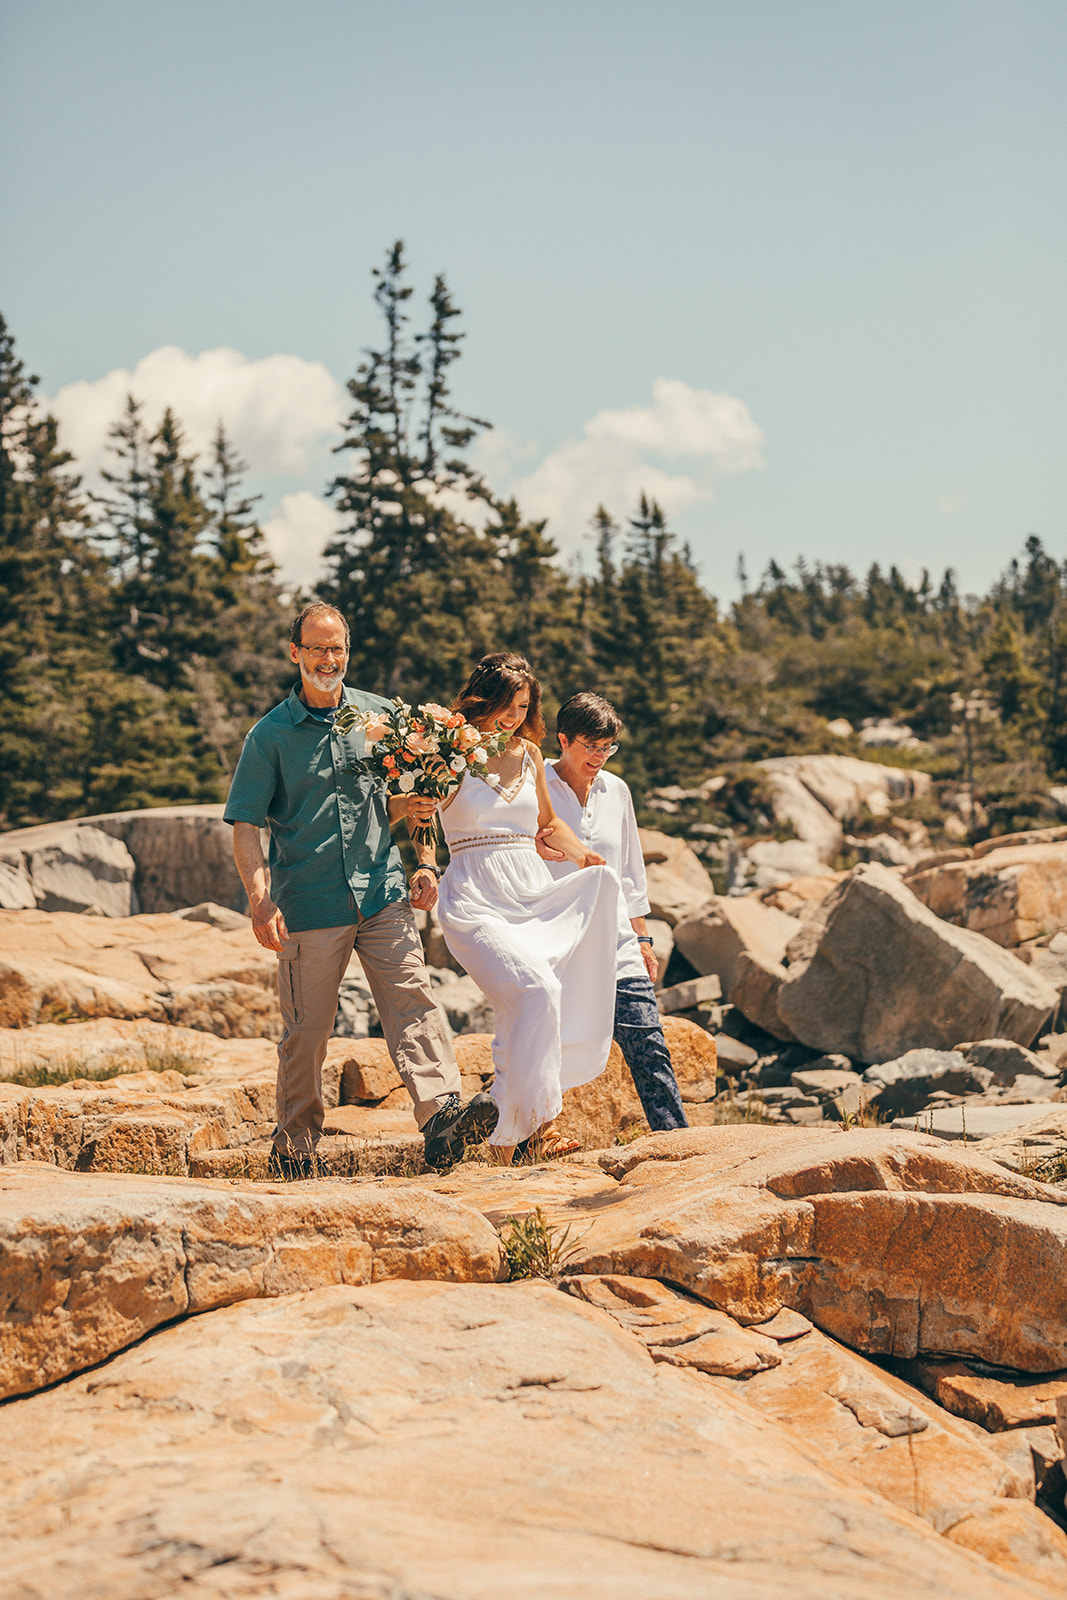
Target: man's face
(321,654)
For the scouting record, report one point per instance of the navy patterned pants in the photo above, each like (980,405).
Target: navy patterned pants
(639,1035)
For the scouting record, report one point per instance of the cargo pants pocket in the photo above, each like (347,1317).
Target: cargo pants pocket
(289,995)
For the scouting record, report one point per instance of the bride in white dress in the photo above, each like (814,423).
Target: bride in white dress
(544,951)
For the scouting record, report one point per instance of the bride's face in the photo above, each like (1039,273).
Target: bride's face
(512,717)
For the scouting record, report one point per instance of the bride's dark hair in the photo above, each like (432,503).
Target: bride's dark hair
(493,685)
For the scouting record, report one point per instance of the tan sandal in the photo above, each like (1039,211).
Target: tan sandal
(550,1144)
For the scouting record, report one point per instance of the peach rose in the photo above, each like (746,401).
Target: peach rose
(376,727)
(467,738)
(420,744)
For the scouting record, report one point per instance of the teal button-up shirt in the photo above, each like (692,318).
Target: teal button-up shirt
(331,852)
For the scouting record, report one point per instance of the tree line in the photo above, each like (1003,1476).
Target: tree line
(143,626)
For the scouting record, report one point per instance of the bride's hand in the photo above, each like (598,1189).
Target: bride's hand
(593,860)
(420,809)
(546,851)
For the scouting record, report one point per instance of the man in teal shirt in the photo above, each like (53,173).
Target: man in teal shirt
(337,884)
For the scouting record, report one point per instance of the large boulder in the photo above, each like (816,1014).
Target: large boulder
(902,1087)
(728,926)
(772,863)
(508,1438)
(60,964)
(1009,894)
(888,1241)
(166,857)
(755,992)
(90,1263)
(16,890)
(816,794)
(678,885)
(884,975)
(80,868)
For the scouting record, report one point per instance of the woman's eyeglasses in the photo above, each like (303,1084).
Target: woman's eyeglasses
(602,752)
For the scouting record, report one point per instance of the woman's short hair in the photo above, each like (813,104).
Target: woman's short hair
(316,608)
(588,716)
(493,685)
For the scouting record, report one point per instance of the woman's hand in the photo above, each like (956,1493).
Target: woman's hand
(420,809)
(564,844)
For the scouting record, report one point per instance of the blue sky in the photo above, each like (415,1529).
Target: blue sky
(797,267)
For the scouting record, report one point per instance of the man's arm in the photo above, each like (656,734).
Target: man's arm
(268,924)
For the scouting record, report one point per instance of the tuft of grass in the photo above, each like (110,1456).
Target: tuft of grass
(627,1135)
(728,1111)
(162,1057)
(54,1074)
(1049,1169)
(866,1117)
(535,1248)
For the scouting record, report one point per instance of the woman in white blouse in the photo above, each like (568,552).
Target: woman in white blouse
(598,806)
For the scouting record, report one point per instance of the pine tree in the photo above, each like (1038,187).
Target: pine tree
(242,667)
(76,737)
(408,569)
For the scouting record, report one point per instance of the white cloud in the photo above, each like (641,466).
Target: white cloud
(298,533)
(280,412)
(621,454)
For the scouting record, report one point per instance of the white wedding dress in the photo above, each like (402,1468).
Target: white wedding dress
(544,951)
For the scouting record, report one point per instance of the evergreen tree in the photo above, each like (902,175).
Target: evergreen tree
(76,736)
(417,581)
(243,667)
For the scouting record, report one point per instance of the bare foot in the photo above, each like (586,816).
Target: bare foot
(499,1155)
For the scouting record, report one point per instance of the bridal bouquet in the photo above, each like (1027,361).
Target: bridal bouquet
(428,751)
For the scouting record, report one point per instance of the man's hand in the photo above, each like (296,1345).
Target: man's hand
(423,889)
(268,925)
(648,956)
(546,851)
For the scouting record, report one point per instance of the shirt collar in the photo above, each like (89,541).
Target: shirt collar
(299,711)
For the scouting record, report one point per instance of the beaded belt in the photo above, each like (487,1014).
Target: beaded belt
(491,841)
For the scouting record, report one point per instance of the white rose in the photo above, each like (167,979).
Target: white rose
(457,764)
(492,779)
(406,782)
(480,755)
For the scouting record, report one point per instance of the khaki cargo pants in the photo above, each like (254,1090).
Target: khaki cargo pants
(310,969)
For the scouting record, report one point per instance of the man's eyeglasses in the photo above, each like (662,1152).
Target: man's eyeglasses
(319,651)
(600,751)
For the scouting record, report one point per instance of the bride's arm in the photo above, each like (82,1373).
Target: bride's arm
(555,832)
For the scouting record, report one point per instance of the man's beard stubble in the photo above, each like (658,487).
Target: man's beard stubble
(324,682)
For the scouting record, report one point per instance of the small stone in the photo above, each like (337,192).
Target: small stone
(733,1053)
(686,996)
(785,1326)
(1005,1059)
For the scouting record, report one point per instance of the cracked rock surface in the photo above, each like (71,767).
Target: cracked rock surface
(429,1439)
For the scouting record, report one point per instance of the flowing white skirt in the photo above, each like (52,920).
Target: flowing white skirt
(545,952)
